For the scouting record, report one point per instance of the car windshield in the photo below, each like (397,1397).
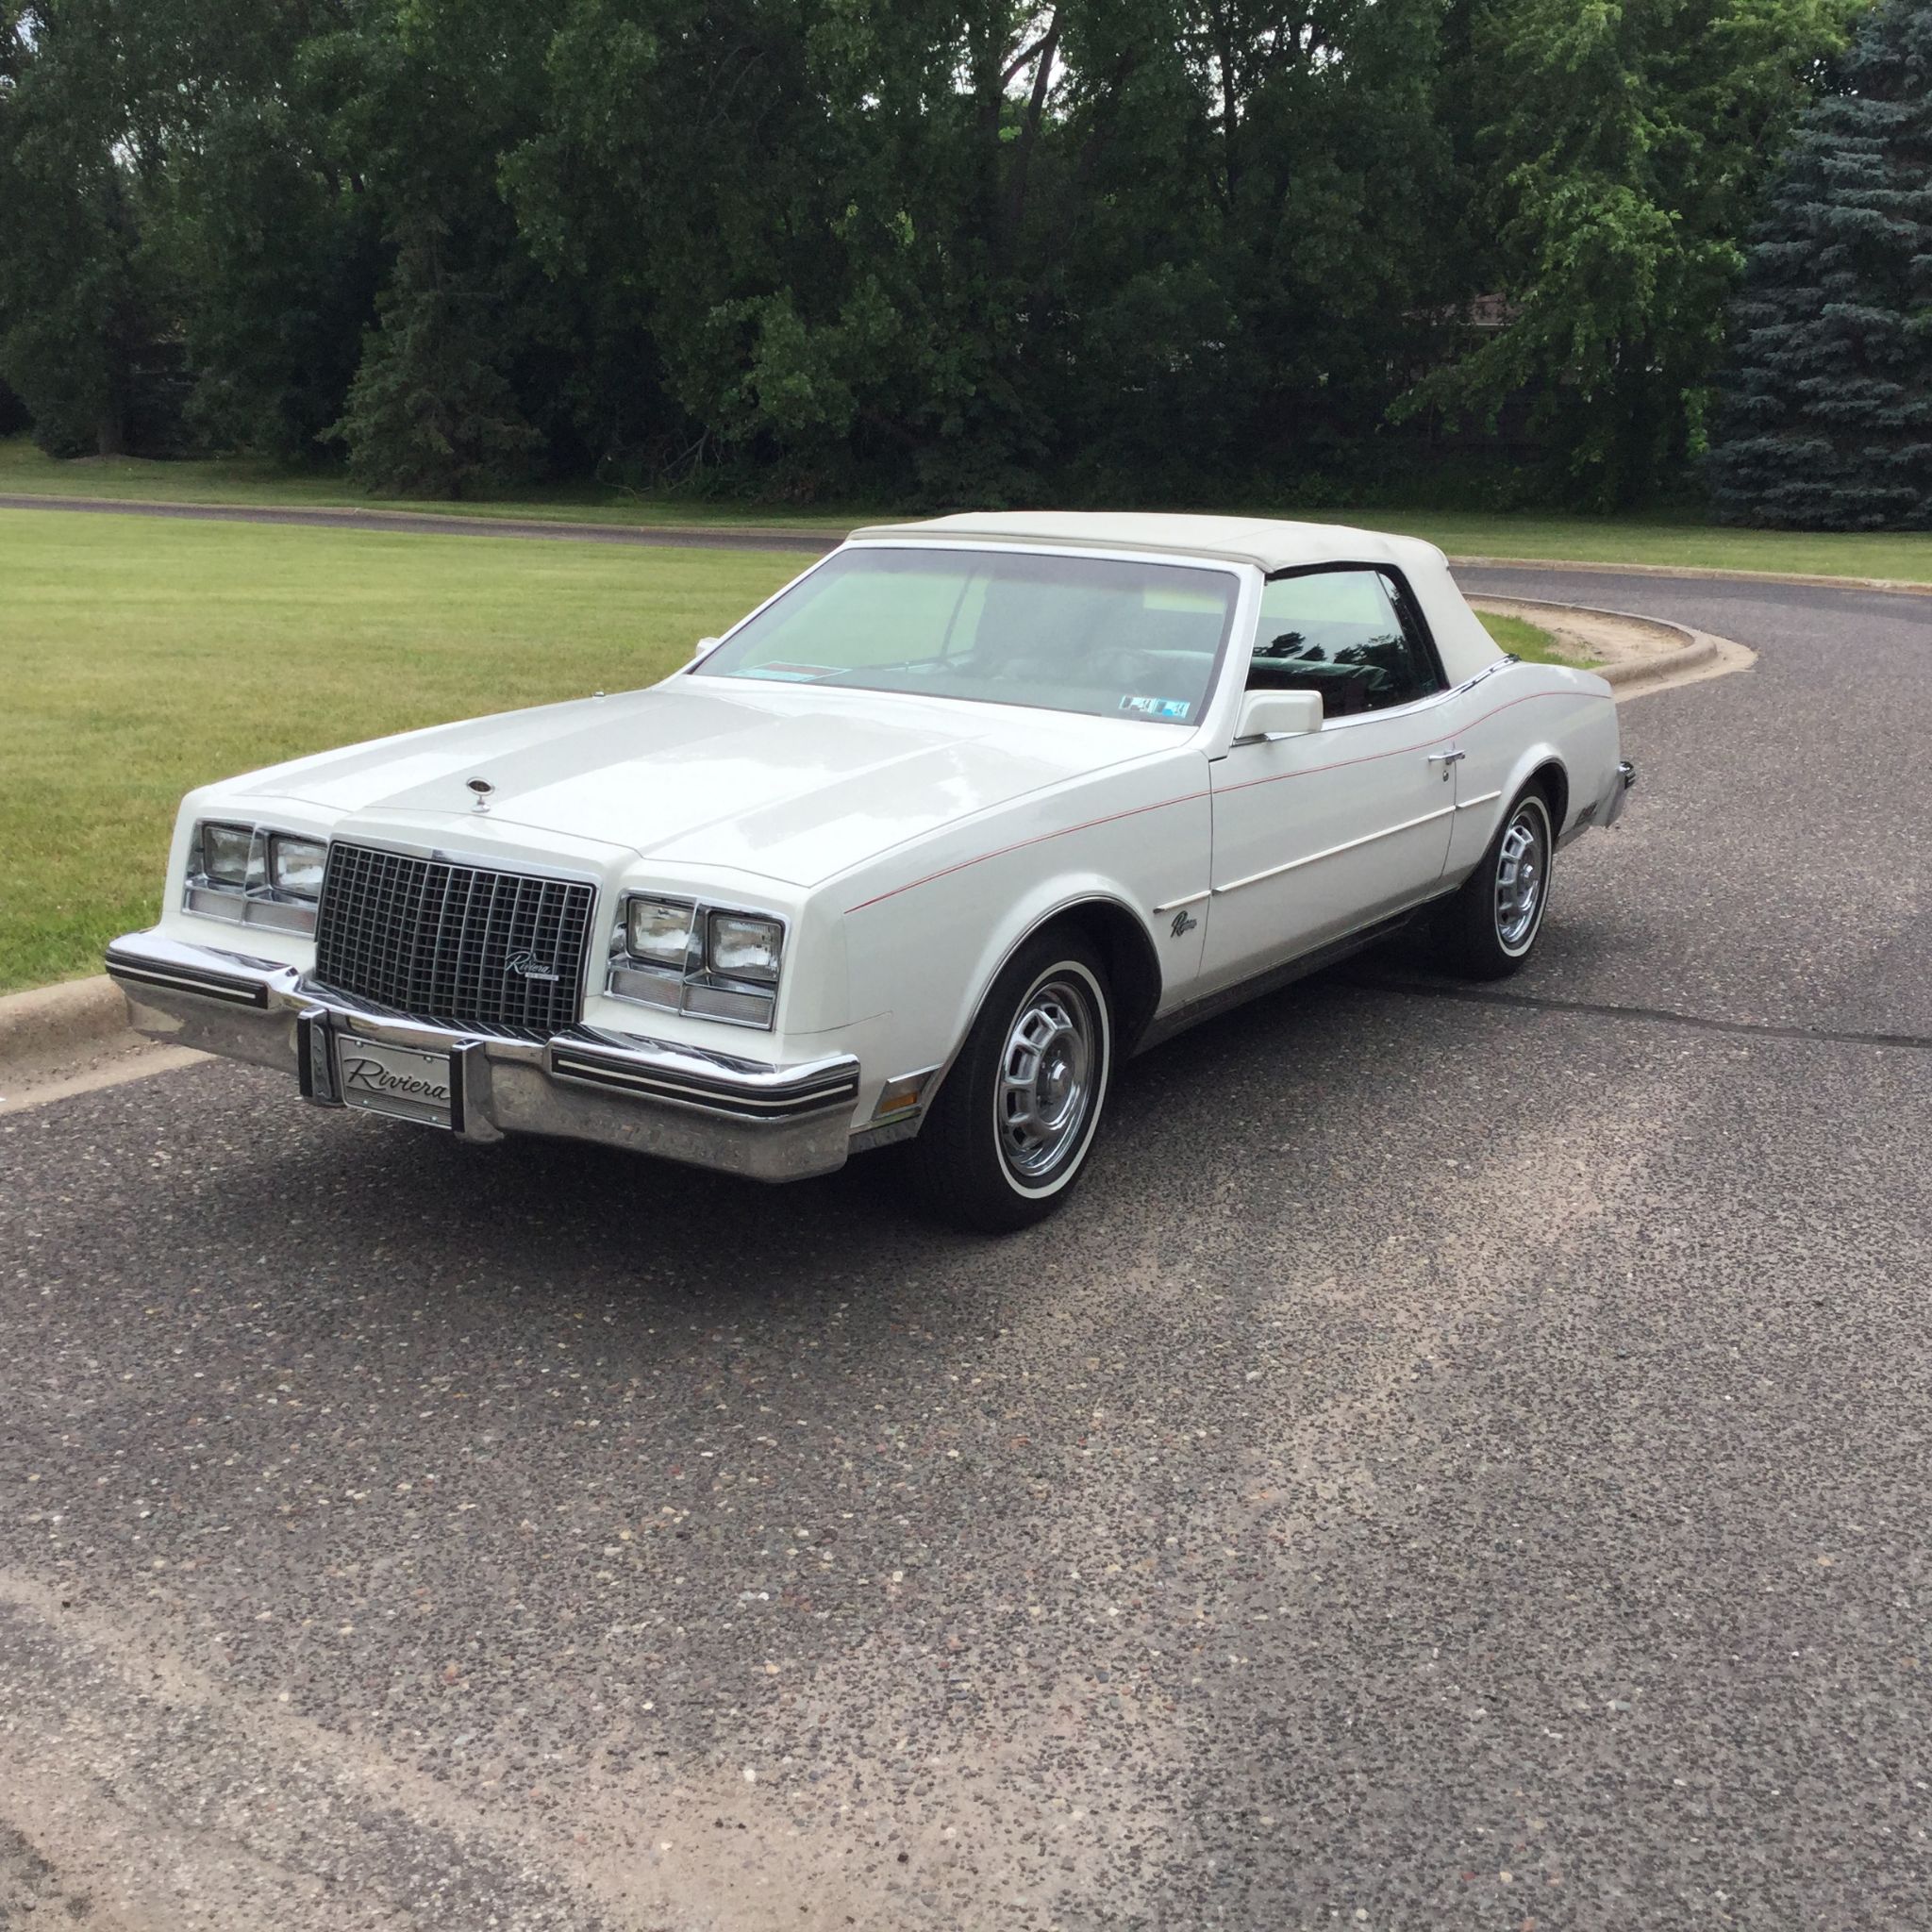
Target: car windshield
(1103,635)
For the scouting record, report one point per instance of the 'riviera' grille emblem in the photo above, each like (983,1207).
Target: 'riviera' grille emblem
(527,966)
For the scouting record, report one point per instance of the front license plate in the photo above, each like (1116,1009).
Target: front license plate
(393,1080)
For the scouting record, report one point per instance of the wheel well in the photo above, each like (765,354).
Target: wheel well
(1554,783)
(1133,967)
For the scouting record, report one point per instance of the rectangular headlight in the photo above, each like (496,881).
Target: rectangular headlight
(738,947)
(294,866)
(225,855)
(657,931)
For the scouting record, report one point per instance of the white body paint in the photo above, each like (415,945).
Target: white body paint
(911,842)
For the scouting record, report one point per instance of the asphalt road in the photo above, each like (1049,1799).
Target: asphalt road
(418,522)
(1460,1462)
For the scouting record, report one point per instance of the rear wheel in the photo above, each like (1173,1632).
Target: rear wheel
(1013,1122)
(1493,924)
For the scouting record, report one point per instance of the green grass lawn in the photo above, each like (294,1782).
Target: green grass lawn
(1656,539)
(140,658)
(253,482)
(1528,641)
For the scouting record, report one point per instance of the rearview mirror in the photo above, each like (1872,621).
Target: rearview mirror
(1279,714)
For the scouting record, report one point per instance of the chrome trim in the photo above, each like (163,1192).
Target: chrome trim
(1521,881)
(1612,804)
(1051,1070)
(662,1070)
(1334,850)
(888,1133)
(918,1080)
(1482,798)
(1415,706)
(1192,899)
(1178,1019)
(376,894)
(225,977)
(766,1121)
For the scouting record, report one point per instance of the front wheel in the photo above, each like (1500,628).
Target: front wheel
(1492,924)
(1013,1122)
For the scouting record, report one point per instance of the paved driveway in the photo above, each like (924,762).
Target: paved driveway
(1460,1462)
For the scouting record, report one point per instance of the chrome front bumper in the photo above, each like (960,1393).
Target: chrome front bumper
(711,1110)
(1612,807)
(1607,809)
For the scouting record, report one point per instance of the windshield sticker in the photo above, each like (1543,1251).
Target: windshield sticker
(1168,710)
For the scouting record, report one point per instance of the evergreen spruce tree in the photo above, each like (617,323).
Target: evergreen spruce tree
(431,412)
(1827,422)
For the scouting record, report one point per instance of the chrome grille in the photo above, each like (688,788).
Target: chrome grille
(501,951)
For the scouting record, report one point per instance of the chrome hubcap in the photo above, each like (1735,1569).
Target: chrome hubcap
(1521,872)
(1046,1077)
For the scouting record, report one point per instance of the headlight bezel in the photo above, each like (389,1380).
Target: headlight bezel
(279,845)
(671,949)
(765,971)
(234,872)
(691,981)
(246,892)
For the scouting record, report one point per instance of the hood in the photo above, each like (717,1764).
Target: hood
(785,781)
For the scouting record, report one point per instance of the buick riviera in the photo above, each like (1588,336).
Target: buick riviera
(920,851)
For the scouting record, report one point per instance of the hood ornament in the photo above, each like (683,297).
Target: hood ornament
(482,787)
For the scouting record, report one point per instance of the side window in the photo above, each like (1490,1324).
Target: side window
(1350,633)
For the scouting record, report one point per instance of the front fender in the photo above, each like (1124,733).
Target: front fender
(922,953)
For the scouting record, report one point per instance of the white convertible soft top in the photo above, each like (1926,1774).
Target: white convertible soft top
(1268,544)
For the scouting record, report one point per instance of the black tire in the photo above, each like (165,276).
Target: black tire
(969,1164)
(1484,931)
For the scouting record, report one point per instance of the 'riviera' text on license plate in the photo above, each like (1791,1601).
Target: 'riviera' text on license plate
(393,1080)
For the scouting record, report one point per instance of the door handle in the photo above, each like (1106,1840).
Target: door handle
(1448,760)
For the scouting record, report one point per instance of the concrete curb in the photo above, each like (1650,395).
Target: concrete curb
(1696,647)
(51,1021)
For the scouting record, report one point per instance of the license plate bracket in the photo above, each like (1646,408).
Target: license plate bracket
(403,1082)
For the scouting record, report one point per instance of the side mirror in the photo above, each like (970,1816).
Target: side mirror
(1279,714)
(705,646)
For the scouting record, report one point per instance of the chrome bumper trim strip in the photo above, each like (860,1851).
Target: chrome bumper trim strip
(808,1098)
(683,1103)
(214,981)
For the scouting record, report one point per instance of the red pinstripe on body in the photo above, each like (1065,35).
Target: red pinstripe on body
(1021,845)
(1408,750)
(1135,811)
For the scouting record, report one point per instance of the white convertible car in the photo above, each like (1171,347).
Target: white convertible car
(919,850)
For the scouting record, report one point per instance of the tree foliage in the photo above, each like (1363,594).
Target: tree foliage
(1180,249)
(1828,423)
(1620,144)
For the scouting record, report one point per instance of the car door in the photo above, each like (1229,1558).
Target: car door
(1318,834)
